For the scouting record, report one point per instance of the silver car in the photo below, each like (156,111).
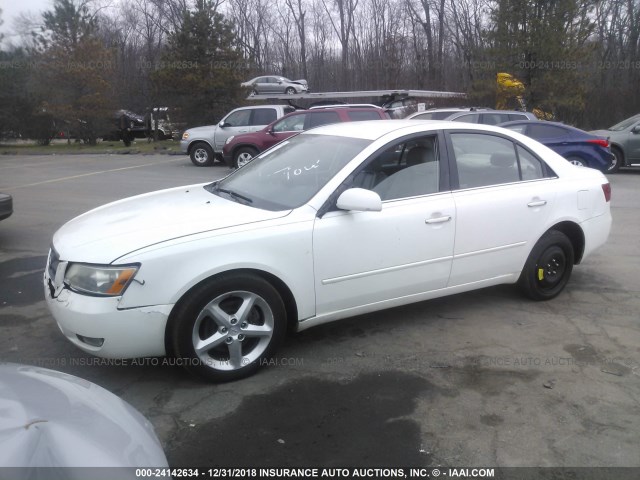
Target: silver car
(52,419)
(275,84)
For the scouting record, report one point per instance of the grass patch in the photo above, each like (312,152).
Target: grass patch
(60,147)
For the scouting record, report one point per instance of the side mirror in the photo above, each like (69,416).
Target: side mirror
(223,124)
(359,200)
(636,129)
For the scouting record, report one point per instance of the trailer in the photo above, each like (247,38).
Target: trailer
(398,102)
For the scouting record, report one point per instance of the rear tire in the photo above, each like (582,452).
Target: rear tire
(577,161)
(228,327)
(201,155)
(548,268)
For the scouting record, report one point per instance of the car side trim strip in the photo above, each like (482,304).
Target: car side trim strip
(489,250)
(353,276)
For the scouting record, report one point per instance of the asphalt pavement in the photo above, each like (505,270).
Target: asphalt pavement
(486,378)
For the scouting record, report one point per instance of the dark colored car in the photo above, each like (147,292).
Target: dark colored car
(240,149)
(577,146)
(6,206)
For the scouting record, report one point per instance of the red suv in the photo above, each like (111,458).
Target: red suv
(240,149)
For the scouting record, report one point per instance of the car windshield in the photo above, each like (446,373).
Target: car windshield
(291,173)
(623,125)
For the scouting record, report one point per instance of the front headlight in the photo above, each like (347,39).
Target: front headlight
(229,140)
(185,136)
(101,280)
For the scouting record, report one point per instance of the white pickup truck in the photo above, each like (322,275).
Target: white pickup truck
(204,144)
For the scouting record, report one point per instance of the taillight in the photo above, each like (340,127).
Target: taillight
(606,189)
(602,143)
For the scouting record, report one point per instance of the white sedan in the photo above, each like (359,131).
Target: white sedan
(335,222)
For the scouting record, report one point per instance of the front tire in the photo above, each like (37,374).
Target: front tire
(548,268)
(290,91)
(617,161)
(228,327)
(243,155)
(201,155)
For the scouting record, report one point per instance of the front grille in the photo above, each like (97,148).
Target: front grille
(54,261)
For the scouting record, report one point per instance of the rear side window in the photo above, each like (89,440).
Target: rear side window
(546,131)
(483,160)
(363,115)
(315,119)
(520,128)
(263,116)
(531,167)
(518,116)
(494,118)
(470,118)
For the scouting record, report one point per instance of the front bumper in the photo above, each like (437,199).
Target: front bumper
(126,333)
(6,206)
(184,146)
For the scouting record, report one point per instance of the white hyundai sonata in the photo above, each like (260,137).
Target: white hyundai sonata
(335,222)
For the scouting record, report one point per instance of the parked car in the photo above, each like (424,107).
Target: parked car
(204,144)
(337,221)
(275,84)
(6,206)
(240,149)
(491,117)
(577,146)
(625,142)
(442,113)
(52,419)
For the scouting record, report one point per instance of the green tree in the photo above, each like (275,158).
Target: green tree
(200,72)
(75,71)
(545,44)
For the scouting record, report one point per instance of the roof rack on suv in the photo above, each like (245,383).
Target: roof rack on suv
(345,105)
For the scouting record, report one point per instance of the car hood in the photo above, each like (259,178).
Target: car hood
(51,419)
(204,130)
(302,81)
(602,133)
(106,233)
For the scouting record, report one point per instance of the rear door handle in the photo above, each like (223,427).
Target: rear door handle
(444,219)
(537,203)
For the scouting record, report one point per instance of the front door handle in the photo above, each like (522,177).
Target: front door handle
(444,219)
(537,203)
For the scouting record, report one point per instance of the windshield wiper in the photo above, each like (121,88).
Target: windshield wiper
(233,194)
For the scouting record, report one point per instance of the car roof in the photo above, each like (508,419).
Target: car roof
(374,129)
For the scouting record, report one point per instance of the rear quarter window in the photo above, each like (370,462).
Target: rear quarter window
(315,119)
(546,131)
(263,116)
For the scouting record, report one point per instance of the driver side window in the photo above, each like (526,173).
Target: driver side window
(407,169)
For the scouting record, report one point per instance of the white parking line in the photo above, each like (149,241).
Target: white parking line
(54,180)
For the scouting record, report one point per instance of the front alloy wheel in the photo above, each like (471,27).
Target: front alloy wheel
(616,161)
(243,155)
(227,327)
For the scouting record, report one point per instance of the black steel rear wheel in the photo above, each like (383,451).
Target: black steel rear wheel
(548,268)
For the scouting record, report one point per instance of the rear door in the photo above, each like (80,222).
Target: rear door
(503,198)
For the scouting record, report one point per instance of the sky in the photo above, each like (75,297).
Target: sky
(12,8)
